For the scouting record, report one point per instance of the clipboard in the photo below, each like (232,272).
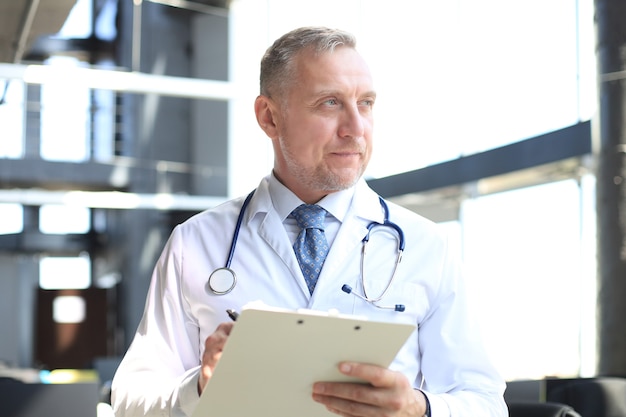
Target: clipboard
(273,356)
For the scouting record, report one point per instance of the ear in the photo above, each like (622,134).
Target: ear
(267,115)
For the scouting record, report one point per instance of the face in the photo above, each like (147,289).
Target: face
(321,130)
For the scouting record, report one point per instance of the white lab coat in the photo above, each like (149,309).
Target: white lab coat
(158,375)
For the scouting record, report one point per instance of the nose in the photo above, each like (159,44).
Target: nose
(352,123)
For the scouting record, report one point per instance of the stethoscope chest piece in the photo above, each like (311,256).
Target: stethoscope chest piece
(222,281)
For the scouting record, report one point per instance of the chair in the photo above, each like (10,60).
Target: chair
(540,409)
(593,397)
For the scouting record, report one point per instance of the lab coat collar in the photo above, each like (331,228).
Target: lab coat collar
(285,201)
(337,203)
(363,209)
(366,203)
(360,200)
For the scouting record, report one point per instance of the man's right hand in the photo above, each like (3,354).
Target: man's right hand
(213,347)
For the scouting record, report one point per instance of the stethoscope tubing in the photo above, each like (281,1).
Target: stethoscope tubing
(400,238)
(233,244)
(346,288)
(223,280)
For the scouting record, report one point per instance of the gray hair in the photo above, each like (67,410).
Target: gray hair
(277,69)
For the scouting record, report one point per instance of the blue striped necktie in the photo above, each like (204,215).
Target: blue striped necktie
(310,246)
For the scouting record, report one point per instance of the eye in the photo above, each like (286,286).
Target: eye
(367,102)
(330,102)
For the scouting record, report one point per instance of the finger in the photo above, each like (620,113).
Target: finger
(346,407)
(213,347)
(376,375)
(378,382)
(386,389)
(214,344)
(349,396)
(349,399)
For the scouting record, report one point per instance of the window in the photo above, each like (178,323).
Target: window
(61,219)
(65,121)
(57,273)
(525,261)
(12,119)
(11,218)
(69,309)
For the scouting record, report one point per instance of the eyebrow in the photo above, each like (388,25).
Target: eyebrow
(323,93)
(371,93)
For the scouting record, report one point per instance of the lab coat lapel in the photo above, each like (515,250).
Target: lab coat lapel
(272,231)
(364,209)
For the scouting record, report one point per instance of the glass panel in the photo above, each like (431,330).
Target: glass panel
(105,26)
(12,119)
(69,309)
(589,265)
(11,218)
(65,122)
(61,219)
(78,23)
(59,273)
(469,76)
(103,125)
(523,255)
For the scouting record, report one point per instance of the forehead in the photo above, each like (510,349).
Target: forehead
(343,68)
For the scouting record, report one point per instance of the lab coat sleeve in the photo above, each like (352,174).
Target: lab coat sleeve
(159,373)
(459,378)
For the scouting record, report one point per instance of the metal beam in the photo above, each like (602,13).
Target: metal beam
(46,46)
(123,81)
(25,27)
(551,147)
(34,242)
(115,176)
(110,200)
(195,6)
(610,147)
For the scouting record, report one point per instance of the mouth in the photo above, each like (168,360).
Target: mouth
(345,159)
(348,153)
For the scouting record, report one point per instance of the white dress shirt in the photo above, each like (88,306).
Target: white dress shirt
(444,357)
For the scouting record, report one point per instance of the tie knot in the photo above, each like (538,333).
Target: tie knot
(309,216)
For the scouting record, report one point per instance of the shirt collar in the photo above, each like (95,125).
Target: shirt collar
(284,200)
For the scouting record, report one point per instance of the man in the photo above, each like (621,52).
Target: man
(316,106)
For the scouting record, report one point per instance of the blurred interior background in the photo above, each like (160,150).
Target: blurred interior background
(501,120)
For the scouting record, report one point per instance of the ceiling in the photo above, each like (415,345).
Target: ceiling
(23,21)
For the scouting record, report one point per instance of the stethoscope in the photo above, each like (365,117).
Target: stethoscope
(223,280)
